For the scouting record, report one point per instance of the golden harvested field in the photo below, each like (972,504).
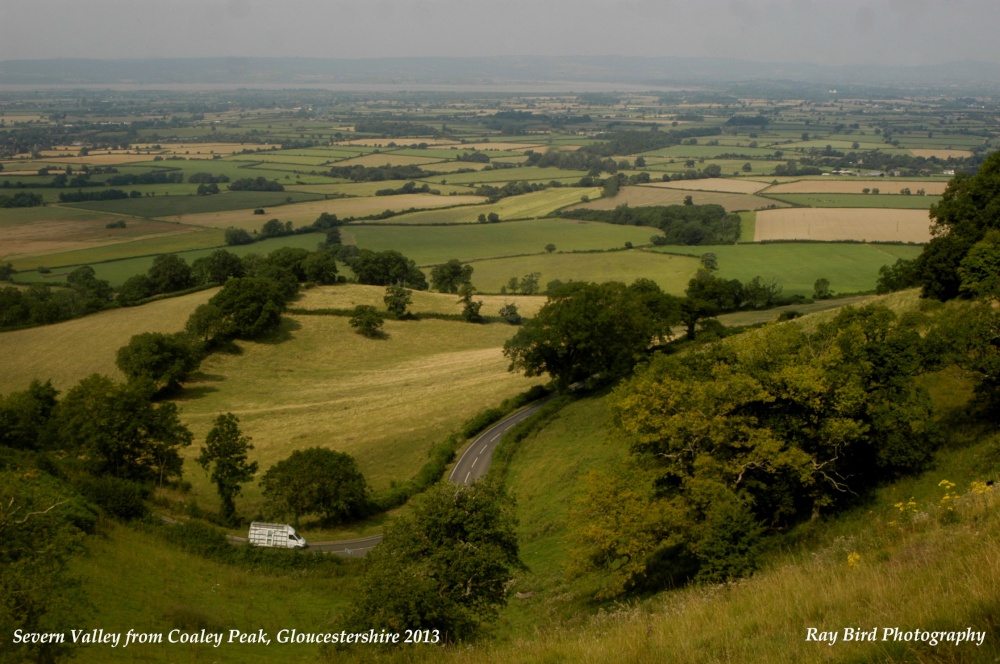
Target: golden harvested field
(713,184)
(351,295)
(68,351)
(650,195)
(398,142)
(81,231)
(384,401)
(305,213)
(833,224)
(940,153)
(854,186)
(385,159)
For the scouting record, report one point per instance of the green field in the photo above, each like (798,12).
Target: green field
(850,267)
(883,200)
(709,151)
(436,244)
(671,274)
(529,173)
(172,206)
(525,206)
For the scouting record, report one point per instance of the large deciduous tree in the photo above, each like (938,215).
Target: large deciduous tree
(445,566)
(120,432)
(584,330)
(164,359)
(225,453)
(381,268)
(250,307)
(316,481)
(451,276)
(969,208)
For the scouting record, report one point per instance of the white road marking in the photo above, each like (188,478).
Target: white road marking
(474,462)
(484,449)
(495,437)
(467,476)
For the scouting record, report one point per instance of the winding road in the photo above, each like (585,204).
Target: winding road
(471,466)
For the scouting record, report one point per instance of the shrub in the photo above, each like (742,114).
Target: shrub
(122,499)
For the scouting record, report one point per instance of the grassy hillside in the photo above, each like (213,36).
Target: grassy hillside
(68,351)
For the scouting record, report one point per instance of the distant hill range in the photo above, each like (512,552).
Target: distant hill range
(630,72)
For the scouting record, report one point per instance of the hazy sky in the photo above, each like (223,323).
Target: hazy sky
(897,32)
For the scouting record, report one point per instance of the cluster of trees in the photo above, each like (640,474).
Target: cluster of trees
(382,268)
(792,168)
(20,199)
(207,178)
(962,258)
(444,566)
(409,188)
(103,195)
(255,184)
(169,273)
(630,141)
(526,285)
(588,330)
(513,188)
(360,173)
(681,224)
(576,160)
(474,157)
(41,304)
(752,434)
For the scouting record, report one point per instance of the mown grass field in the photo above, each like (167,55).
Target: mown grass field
(193,238)
(883,200)
(69,351)
(651,195)
(671,272)
(840,224)
(349,296)
(437,244)
(850,267)
(385,401)
(40,230)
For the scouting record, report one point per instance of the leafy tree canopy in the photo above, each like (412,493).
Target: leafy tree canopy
(445,566)
(316,481)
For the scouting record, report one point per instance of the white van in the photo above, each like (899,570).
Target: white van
(276,535)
